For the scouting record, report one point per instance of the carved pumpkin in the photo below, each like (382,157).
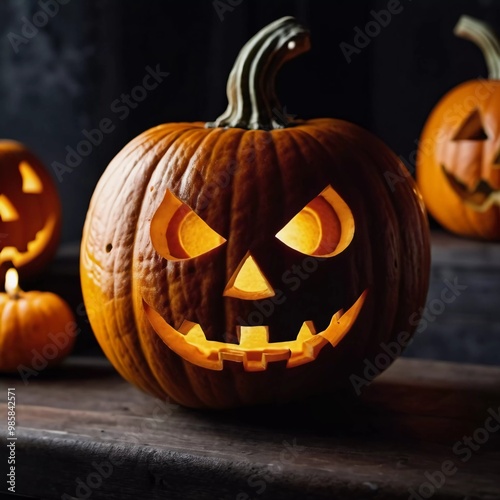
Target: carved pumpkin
(250,260)
(37,329)
(458,163)
(30,211)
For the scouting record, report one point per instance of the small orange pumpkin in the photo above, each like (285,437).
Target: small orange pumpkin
(30,210)
(37,329)
(252,260)
(458,162)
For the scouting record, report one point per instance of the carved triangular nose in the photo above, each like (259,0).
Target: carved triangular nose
(248,281)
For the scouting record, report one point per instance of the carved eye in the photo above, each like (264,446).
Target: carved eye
(177,233)
(472,129)
(31,181)
(323,228)
(8,213)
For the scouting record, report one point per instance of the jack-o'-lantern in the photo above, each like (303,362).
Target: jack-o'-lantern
(30,211)
(458,163)
(251,260)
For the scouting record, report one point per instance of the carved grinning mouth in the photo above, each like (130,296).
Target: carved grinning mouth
(33,247)
(481,197)
(254,349)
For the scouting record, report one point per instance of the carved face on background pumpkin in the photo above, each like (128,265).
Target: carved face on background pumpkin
(458,163)
(29,209)
(471,160)
(218,259)
(316,234)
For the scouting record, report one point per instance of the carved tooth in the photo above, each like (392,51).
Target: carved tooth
(307,331)
(253,336)
(193,332)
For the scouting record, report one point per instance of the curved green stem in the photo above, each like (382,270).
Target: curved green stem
(485,38)
(252,100)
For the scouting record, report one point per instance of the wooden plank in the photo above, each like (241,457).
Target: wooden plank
(83,417)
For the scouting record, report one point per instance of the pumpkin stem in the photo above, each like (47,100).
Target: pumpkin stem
(250,88)
(485,38)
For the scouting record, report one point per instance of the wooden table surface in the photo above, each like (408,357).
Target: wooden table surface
(83,432)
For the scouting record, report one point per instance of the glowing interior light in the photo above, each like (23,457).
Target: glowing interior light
(196,237)
(324,227)
(248,282)
(178,233)
(11,281)
(303,232)
(7,211)
(31,181)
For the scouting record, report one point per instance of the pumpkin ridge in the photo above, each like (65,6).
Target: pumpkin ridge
(179,182)
(235,155)
(121,357)
(210,162)
(375,182)
(197,390)
(178,137)
(171,386)
(332,137)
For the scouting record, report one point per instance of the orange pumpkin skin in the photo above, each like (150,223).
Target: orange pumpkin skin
(468,161)
(30,225)
(28,326)
(458,164)
(389,254)
(247,185)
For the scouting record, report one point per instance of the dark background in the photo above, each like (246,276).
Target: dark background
(66,77)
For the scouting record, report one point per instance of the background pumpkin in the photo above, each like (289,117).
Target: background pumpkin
(30,210)
(458,162)
(35,328)
(244,178)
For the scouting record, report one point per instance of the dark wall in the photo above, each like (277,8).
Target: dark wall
(63,77)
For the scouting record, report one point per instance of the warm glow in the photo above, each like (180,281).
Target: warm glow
(254,350)
(31,181)
(11,281)
(7,211)
(178,233)
(303,233)
(196,237)
(323,228)
(248,282)
(35,247)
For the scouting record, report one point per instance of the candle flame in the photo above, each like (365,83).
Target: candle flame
(11,281)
